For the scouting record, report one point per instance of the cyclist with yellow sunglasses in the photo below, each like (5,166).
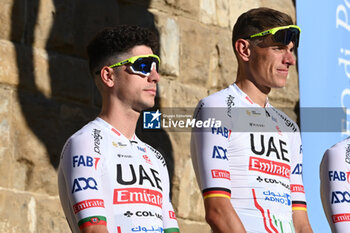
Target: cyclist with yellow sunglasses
(109,180)
(249,169)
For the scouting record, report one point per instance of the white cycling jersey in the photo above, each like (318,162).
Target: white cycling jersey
(106,179)
(254,159)
(335,186)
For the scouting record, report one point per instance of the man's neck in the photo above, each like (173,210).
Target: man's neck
(257,94)
(121,118)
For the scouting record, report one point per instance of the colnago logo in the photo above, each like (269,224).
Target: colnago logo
(221,174)
(143,214)
(269,167)
(273,181)
(341,217)
(137,196)
(88,204)
(297,188)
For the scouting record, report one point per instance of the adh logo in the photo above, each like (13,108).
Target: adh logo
(219,153)
(83,183)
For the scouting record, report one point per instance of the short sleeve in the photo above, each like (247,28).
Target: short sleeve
(335,188)
(296,176)
(80,184)
(209,148)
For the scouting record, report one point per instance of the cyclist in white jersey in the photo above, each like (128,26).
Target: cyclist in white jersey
(250,168)
(109,180)
(335,186)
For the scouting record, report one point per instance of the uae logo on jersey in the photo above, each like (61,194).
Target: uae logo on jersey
(151,120)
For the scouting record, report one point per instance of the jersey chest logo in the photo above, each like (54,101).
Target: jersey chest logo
(131,175)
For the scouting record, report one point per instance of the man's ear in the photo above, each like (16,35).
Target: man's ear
(243,48)
(107,77)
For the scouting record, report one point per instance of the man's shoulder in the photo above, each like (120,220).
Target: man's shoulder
(218,98)
(89,129)
(339,148)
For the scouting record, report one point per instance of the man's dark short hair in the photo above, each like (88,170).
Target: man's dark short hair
(114,41)
(258,20)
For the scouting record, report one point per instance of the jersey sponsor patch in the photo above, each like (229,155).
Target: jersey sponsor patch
(267,147)
(297,188)
(219,153)
(139,175)
(85,161)
(137,196)
(220,174)
(93,220)
(341,217)
(216,192)
(83,183)
(340,197)
(88,204)
(143,213)
(172,215)
(281,198)
(97,140)
(269,167)
(339,176)
(222,131)
(273,181)
(298,170)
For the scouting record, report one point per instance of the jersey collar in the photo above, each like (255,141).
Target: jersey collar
(246,98)
(114,131)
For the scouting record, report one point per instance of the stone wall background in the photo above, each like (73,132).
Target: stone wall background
(46,93)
